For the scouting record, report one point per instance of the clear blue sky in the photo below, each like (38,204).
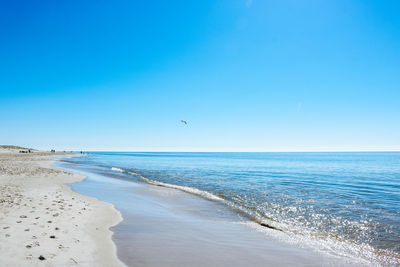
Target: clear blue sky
(284,75)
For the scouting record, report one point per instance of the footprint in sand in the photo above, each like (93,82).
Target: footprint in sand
(35,244)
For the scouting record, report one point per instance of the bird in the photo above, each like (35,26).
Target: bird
(183,121)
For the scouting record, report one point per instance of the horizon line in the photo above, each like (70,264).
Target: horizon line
(215,151)
(181,151)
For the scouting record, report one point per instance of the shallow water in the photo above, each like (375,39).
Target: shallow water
(341,203)
(167,227)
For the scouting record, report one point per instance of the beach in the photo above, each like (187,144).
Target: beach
(200,133)
(64,209)
(43,222)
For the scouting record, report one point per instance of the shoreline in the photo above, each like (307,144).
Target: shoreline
(46,223)
(169,227)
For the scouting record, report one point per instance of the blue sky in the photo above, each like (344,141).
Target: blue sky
(283,75)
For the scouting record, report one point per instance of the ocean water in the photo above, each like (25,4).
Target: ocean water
(345,204)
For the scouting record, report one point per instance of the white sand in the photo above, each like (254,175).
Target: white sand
(41,216)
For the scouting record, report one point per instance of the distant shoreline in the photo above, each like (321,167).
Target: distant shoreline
(157,151)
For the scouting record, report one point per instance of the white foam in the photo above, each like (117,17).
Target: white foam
(139,175)
(190,190)
(186,189)
(117,169)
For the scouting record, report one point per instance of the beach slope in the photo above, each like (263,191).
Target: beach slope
(44,223)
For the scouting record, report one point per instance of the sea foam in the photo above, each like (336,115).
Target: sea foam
(117,169)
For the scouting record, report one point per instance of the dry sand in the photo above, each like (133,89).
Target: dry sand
(44,223)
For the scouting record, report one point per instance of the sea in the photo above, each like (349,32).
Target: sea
(345,203)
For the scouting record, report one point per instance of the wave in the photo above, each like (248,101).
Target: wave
(187,189)
(117,169)
(204,194)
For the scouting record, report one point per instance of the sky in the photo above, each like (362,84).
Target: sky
(247,75)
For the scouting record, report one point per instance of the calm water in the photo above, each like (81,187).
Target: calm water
(342,203)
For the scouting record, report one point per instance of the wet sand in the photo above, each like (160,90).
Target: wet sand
(168,227)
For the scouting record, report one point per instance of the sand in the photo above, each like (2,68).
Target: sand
(44,223)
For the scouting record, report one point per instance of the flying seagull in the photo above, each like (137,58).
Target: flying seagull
(183,121)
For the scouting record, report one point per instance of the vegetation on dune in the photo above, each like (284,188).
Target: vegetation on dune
(13,147)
